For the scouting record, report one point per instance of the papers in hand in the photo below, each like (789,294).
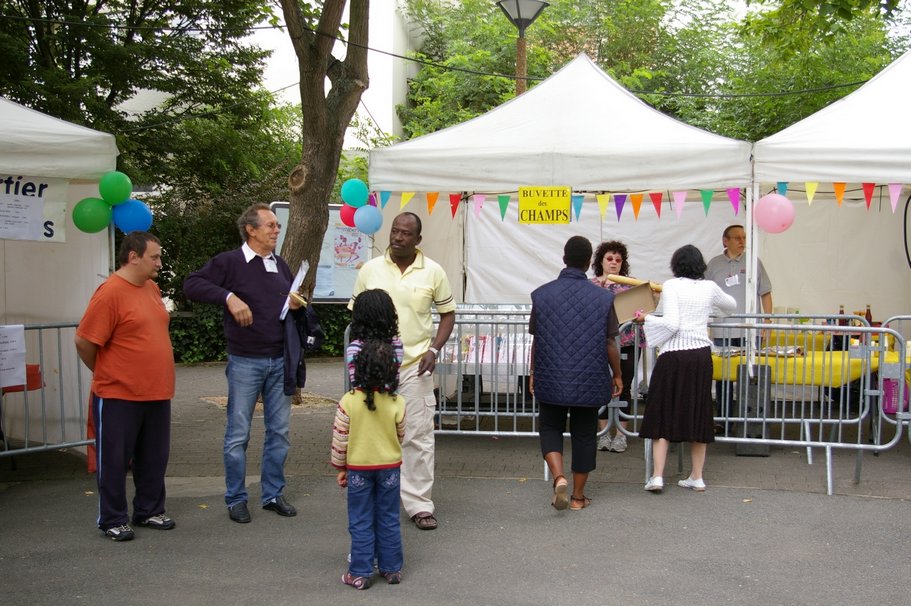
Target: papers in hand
(295,285)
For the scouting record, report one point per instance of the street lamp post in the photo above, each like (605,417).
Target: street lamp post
(521,13)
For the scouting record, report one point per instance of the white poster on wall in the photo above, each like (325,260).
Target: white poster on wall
(32,208)
(12,355)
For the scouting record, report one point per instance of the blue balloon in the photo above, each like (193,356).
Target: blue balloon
(368,219)
(132,215)
(355,192)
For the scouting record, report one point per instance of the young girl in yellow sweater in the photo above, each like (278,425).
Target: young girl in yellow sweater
(366,442)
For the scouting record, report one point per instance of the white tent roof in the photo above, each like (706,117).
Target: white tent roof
(578,128)
(37,144)
(863,137)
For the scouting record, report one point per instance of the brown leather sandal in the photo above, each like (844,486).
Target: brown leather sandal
(561,498)
(424,520)
(584,500)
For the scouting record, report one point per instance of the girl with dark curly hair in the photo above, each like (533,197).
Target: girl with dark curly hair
(366,441)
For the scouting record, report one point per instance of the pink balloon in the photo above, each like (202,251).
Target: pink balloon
(773,213)
(346,214)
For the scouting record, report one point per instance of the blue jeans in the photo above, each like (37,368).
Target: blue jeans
(373,521)
(247,378)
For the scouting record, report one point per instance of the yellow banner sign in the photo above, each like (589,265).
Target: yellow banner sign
(544,204)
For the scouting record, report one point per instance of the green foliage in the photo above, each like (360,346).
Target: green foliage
(334,319)
(83,61)
(198,336)
(692,60)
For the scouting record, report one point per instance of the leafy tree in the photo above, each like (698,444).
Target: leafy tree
(326,116)
(83,61)
(692,60)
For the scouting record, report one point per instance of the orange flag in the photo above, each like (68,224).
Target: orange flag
(432,200)
(839,189)
(636,199)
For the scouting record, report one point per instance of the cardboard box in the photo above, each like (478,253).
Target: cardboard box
(628,302)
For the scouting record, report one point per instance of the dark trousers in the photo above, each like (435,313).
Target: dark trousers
(583,432)
(130,434)
(724,390)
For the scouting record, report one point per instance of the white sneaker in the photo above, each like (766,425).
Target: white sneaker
(696,485)
(619,443)
(604,442)
(655,484)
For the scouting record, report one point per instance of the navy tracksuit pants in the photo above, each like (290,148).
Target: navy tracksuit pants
(128,435)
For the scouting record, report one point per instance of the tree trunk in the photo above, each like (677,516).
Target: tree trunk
(326,116)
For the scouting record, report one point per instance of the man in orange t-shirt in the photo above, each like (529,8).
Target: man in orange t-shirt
(123,339)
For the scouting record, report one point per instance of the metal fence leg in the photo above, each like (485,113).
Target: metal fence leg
(829,470)
(648,459)
(806,425)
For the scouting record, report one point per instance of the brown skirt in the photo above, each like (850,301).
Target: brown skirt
(679,406)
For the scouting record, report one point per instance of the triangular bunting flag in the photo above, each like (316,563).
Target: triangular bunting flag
(734,197)
(603,201)
(384,198)
(454,200)
(636,199)
(706,199)
(811,191)
(432,200)
(619,201)
(503,199)
(782,188)
(895,190)
(576,200)
(839,189)
(868,193)
(478,203)
(406,198)
(679,199)
(656,197)
(372,199)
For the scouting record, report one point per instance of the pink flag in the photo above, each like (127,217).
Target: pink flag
(679,199)
(478,203)
(734,197)
(895,190)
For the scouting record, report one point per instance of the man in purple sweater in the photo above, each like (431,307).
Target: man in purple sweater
(251,283)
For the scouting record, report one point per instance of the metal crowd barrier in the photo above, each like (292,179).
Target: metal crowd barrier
(49,412)
(805,381)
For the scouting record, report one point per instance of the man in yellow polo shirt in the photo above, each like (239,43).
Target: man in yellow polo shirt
(416,284)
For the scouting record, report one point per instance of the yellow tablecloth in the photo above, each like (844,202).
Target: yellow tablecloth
(820,368)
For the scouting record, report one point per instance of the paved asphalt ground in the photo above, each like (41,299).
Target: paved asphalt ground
(763,533)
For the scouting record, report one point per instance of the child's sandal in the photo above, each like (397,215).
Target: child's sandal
(579,503)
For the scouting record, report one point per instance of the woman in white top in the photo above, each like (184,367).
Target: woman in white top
(680,399)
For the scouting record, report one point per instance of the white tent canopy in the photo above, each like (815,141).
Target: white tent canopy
(863,137)
(37,144)
(578,128)
(848,254)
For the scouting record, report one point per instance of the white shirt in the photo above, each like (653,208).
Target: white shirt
(686,306)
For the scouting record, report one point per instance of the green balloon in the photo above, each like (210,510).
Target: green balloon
(92,215)
(115,187)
